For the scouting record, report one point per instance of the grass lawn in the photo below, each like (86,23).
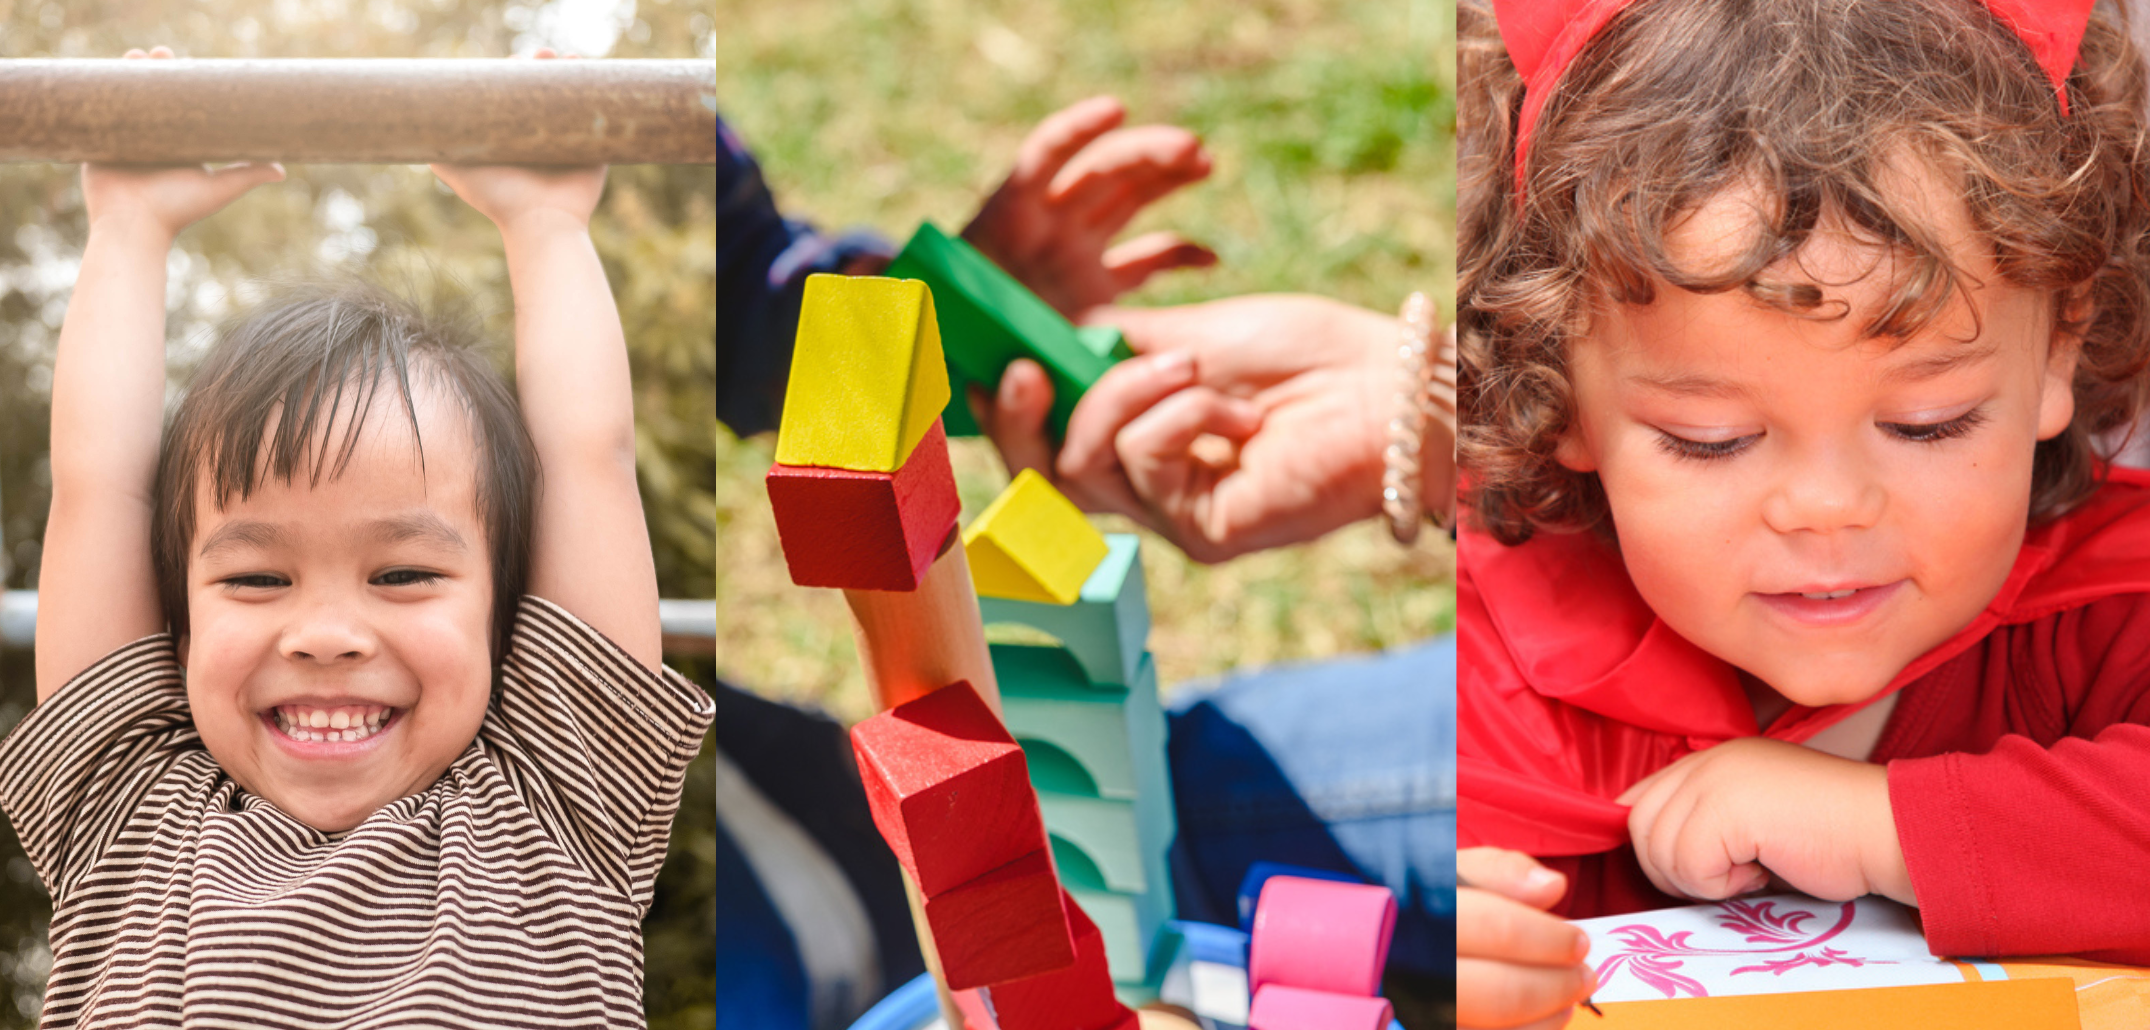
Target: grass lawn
(1332,126)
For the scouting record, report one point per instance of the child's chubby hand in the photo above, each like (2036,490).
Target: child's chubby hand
(1516,965)
(1720,822)
(1079,178)
(164,199)
(520,197)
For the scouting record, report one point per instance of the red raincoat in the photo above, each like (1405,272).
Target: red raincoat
(2019,755)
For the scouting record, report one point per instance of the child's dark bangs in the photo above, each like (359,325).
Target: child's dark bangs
(302,410)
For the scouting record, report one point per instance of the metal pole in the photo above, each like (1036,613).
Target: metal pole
(372,111)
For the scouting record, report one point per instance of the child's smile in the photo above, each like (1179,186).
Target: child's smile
(1815,507)
(338,656)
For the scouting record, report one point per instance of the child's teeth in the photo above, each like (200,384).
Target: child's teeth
(338,725)
(1830,595)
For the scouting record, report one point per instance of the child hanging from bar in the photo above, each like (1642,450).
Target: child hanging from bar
(1790,329)
(407,755)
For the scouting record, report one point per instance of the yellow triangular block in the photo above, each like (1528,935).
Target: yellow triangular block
(867,376)
(1031,544)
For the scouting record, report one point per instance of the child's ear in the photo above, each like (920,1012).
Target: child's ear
(1573,452)
(2056,400)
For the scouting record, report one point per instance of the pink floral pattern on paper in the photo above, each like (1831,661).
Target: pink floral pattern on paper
(1654,957)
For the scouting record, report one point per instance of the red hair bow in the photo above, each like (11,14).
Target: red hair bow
(1543,37)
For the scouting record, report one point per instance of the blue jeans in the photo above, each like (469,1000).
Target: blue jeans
(1346,765)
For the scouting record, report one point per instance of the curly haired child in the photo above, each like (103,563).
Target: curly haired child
(368,777)
(1790,333)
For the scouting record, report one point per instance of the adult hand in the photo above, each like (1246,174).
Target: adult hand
(1516,965)
(1079,178)
(515,195)
(1246,423)
(1719,822)
(164,199)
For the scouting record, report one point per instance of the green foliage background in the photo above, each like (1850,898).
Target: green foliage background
(655,233)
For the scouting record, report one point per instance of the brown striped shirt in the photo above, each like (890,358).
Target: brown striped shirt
(510,893)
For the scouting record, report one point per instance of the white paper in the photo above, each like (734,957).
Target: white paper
(1774,944)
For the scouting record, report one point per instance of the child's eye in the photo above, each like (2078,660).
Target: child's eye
(1935,432)
(256,580)
(406,577)
(1704,450)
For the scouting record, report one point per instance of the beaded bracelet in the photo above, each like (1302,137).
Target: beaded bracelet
(1403,462)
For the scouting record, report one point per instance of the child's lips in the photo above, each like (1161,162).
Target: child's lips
(341,732)
(1827,606)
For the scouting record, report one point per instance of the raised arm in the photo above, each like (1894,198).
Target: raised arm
(96,586)
(590,553)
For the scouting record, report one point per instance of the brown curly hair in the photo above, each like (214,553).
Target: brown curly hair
(1676,101)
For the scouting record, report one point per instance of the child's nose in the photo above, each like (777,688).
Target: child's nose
(1830,492)
(326,632)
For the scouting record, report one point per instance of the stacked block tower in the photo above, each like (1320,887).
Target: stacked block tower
(1085,711)
(864,498)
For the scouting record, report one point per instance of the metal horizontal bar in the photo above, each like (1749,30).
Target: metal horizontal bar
(692,624)
(370,111)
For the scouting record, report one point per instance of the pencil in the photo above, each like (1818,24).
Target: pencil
(1589,1000)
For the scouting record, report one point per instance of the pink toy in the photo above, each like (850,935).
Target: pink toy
(1277,1007)
(1321,936)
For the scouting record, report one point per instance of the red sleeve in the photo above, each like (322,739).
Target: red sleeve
(2026,826)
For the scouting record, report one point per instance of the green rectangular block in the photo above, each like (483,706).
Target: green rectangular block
(1107,629)
(988,319)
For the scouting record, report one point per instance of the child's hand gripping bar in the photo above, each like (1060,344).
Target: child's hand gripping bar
(365,111)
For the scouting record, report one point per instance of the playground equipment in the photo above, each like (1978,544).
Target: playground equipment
(362,111)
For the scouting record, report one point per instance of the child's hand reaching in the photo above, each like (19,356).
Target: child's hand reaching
(1720,822)
(512,194)
(1516,966)
(1078,180)
(165,199)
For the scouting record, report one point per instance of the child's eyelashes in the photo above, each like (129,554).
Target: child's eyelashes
(407,577)
(1910,432)
(255,580)
(1704,450)
(1935,432)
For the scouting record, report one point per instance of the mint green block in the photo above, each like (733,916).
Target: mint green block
(1107,628)
(1129,923)
(1113,735)
(988,319)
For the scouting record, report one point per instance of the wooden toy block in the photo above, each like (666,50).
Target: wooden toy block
(1130,922)
(1277,1007)
(1031,544)
(988,319)
(1079,997)
(1107,832)
(1203,969)
(1260,873)
(1116,735)
(1104,341)
(1107,628)
(867,377)
(1321,935)
(948,788)
(866,530)
(1005,925)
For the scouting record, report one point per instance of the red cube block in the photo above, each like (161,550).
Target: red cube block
(1079,997)
(1005,925)
(866,530)
(948,788)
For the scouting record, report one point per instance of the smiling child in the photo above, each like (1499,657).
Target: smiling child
(367,777)
(1788,331)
